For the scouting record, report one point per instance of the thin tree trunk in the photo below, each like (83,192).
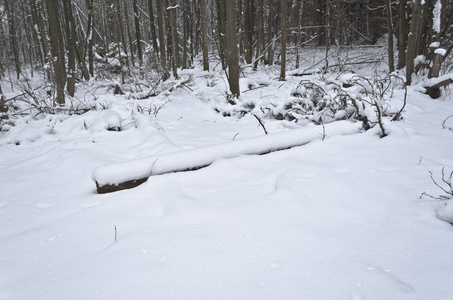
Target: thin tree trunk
(299,32)
(174,41)
(248,28)
(71,45)
(12,35)
(414,38)
(121,33)
(283,40)
(204,36)
(232,54)
(56,47)
(388,9)
(153,27)
(138,35)
(270,51)
(89,43)
(402,34)
(160,22)
(129,34)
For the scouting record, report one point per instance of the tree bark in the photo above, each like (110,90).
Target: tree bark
(388,10)
(13,36)
(204,36)
(138,35)
(402,34)
(89,43)
(283,39)
(160,22)
(71,46)
(174,41)
(416,30)
(152,27)
(232,54)
(56,49)
(299,32)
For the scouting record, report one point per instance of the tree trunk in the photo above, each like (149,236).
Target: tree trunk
(232,54)
(90,44)
(221,30)
(71,46)
(121,33)
(248,28)
(299,32)
(388,9)
(138,35)
(414,38)
(402,34)
(153,27)
(56,49)
(160,23)
(438,57)
(12,35)
(270,36)
(174,41)
(283,39)
(204,36)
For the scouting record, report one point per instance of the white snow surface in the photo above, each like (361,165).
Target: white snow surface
(333,219)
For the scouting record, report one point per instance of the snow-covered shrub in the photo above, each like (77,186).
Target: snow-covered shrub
(324,100)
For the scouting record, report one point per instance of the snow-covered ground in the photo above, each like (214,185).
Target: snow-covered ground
(333,219)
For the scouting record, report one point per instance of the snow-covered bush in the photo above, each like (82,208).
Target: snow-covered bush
(325,100)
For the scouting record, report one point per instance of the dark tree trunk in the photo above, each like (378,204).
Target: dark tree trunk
(12,35)
(270,36)
(56,49)
(221,30)
(152,27)
(388,9)
(231,47)
(283,40)
(129,34)
(138,35)
(204,36)
(414,38)
(402,34)
(90,44)
(174,41)
(248,28)
(160,22)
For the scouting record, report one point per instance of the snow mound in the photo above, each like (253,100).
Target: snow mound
(106,120)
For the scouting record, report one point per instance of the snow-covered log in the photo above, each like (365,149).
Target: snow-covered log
(125,175)
(433,89)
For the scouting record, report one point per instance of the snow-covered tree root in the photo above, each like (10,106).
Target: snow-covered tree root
(126,175)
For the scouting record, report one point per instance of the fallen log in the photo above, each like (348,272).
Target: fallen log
(126,175)
(433,89)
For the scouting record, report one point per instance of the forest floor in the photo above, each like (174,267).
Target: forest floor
(339,218)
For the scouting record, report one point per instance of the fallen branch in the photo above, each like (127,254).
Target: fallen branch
(126,175)
(433,90)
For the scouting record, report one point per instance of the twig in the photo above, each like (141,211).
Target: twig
(431,175)
(261,123)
